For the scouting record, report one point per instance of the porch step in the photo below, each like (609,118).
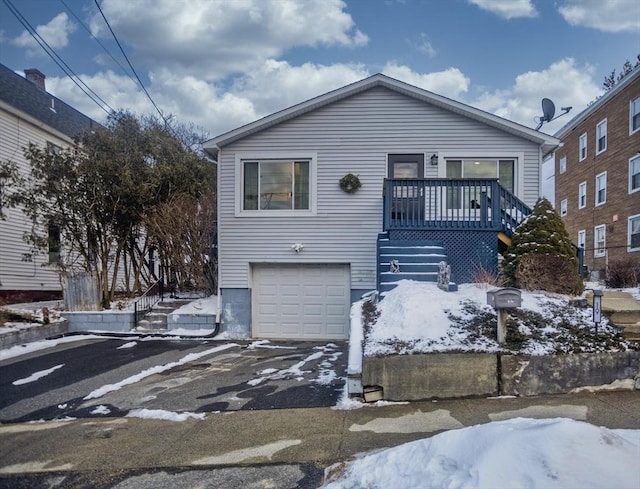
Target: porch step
(156,319)
(407,260)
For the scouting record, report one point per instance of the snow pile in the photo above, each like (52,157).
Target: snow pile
(164,415)
(418,317)
(552,453)
(207,306)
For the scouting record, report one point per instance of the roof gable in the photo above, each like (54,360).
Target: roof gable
(25,96)
(548,143)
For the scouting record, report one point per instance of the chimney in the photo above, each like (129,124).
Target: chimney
(37,77)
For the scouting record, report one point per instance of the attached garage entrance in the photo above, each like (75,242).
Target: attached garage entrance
(300,301)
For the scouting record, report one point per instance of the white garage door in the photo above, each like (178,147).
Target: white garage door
(300,301)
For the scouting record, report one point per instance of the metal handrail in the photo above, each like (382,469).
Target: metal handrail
(153,295)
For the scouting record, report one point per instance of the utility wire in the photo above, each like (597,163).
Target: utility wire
(166,122)
(97,40)
(58,60)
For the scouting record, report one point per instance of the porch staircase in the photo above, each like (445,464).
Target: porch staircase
(155,321)
(407,260)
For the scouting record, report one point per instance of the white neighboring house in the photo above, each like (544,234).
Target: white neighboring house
(441,181)
(28,114)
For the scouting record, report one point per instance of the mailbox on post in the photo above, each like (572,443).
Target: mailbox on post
(501,300)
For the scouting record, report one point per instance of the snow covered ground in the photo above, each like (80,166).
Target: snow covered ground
(418,317)
(518,453)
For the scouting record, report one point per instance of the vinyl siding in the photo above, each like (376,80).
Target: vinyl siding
(353,135)
(15,274)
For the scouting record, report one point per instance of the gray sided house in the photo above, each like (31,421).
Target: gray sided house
(442,182)
(29,114)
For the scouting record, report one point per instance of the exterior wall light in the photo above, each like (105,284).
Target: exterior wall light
(434,159)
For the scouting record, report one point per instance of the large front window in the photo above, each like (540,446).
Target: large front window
(503,170)
(276,185)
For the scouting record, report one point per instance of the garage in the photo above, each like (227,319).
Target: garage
(300,301)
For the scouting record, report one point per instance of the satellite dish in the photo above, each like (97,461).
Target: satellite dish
(548,110)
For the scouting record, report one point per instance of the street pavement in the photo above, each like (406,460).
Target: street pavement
(271,448)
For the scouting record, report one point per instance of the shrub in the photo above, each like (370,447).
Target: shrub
(542,238)
(623,273)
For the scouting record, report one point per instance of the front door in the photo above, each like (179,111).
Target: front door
(407,205)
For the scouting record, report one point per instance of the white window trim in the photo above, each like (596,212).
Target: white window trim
(563,164)
(629,248)
(517,157)
(582,185)
(605,189)
(312,157)
(606,136)
(586,147)
(597,254)
(631,131)
(631,160)
(563,207)
(583,233)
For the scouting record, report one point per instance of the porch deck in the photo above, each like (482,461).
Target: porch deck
(451,204)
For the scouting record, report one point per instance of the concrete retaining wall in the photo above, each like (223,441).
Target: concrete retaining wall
(449,375)
(555,374)
(117,322)
(415,377)
(191,321)
(18,334)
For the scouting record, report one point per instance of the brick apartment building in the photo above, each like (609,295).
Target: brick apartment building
(597,176)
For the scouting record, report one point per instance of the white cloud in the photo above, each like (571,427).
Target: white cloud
(214,38)
(55,34)
(564,82)
(423,45)
(450,83)
(507,9)
(609,16)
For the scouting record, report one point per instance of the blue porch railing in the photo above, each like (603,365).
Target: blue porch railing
(451,204)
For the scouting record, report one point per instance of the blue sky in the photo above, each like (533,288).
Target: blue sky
(222,63)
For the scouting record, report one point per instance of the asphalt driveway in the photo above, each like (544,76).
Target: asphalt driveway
(155,377)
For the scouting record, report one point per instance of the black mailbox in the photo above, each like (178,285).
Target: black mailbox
(507,298)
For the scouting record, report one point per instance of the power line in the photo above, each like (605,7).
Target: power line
(97,40)
(57,59)
(130,65)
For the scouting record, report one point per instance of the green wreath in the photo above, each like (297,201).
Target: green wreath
(350,183)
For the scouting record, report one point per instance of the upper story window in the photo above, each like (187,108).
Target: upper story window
(634,116)
(54,148)
(583,146)
(601,137)
(275,185)
(599,241)
(634,174)
(563,207)
(582,195)
(634,233)
(53,242)
(563,164)
(601,188)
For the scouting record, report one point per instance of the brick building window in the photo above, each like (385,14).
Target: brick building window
(563,164)
(634,233)
(601,188)
(601,137)
(563,207)
(634,174)
(599,241)
(582,195)
(583,146)
(634,116)
(582,239)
